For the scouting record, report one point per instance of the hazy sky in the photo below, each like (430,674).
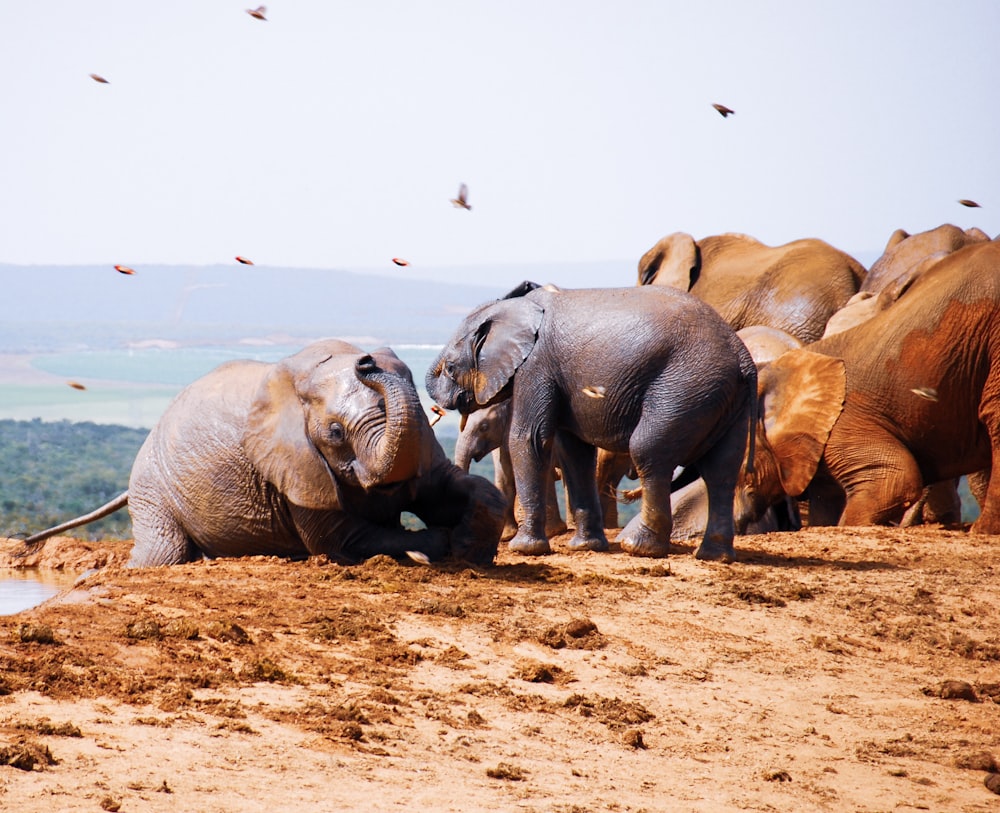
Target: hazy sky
(335,133)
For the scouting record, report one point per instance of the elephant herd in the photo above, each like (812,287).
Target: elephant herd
(773,379)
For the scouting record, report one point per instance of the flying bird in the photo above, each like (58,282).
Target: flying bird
(400,261)
(462,201)
(258,13)
(437,411)
(928,393)
(243,260)
(124,269)
(76,385)
(970,203)
(723,110)
(98,78)
(419,556)
(594,392)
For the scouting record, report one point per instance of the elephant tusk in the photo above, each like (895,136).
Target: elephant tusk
(461,423)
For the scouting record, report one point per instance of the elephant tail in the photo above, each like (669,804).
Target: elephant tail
(34,543)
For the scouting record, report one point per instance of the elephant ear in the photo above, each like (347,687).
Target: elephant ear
(672,262)
(277,444)
(501,343)
(802,396)
(895,239)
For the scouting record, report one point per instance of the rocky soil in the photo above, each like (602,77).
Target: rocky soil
(828,670)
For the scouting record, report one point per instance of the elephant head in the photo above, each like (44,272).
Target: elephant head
(674,261)
(476,368)
(801,397)
(332,416)
(483,432)
(904,252)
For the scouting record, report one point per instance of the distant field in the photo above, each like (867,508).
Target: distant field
(132,387)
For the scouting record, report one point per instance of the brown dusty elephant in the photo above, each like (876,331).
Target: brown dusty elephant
(316,454)
(864,419)
(904,252)
(651,372)
(906,257)
(795,287)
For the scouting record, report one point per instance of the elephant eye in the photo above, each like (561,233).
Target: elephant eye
(449,369)
(336,432)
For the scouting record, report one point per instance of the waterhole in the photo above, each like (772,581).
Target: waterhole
(24,589)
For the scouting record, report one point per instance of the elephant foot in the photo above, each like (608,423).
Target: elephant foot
(509,532)
(595,543)
(716,549)
(555,528)
(638,540)
(985,525)
(529,545)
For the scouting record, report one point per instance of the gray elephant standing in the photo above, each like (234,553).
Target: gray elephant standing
(649,372)
(317,454)
(795,287)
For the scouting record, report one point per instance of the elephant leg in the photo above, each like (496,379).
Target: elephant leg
(720,469)
(159,537)
(579,461)
(880,492)
(530,462)
(554,523)
(942,503)
(348,539)
(611,468)
(503,478)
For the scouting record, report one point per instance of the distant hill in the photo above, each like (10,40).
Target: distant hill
(54,307)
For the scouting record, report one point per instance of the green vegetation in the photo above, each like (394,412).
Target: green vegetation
(54,471)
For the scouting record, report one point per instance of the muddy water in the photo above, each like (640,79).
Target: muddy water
(23,589)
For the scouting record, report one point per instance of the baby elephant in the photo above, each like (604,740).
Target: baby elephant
(317,454)
(649,372)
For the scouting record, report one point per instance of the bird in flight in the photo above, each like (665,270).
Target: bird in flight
(400,261)
(594,392)
(98,78)
(437,411)
(244,260)
(258,13)
(723,110)
(927,393)
(76,385)
(462,201)
(124,269)
(970,203)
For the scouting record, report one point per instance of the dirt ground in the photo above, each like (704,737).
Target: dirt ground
(827,670)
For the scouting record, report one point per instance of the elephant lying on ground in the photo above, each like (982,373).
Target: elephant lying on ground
(865,418)
(485,432)
(317,454)
(796,287)
(649,372)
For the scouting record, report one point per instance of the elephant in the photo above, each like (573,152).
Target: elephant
(862,420)
(485,432)
(795,287)
(650,372)
(904,252)
(318,453)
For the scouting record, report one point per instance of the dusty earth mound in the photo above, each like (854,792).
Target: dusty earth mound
(832,669)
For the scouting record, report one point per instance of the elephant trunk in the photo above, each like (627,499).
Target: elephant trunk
(390,453)
(463,454)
